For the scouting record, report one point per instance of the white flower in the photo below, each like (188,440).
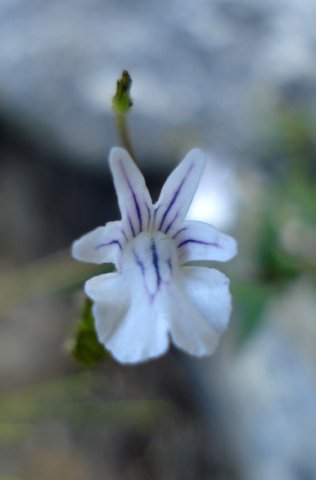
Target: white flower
(155,297)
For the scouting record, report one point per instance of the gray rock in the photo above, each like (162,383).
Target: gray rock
(271,400)
(202,70)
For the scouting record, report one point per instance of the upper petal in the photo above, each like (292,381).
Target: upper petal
(133,196)
(101,245)
(201,241)
(177,193)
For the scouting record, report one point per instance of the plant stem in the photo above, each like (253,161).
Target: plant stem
(124,134)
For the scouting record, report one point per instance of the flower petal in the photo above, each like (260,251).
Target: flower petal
(208,289)
(189,329)
(133,196)
(195,311)
(127,323)
(141,334)
(111,303)
(102,245)
(201,241)
(177,193)
(199,309)
(106,288)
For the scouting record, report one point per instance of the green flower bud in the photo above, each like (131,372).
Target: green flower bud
(122,101)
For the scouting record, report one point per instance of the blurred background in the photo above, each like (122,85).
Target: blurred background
(236,78)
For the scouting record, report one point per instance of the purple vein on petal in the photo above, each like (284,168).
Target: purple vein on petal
(155,261)
(124,234)
(179,231)
(169,263)
(139,262)
(131,225)
(172,222)
(175,196)
(107,244)
(155,213)
(142,268)
(200,242)
(137,207)
(149,215)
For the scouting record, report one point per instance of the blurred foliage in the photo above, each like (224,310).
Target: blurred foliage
(288,234)
(251,298)
(53,274)
(9,477)
(85,347)
(287,142)
(286,240)
(73,399)
(288,231)
(286,218)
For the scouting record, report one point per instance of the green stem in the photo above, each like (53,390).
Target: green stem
(124,134)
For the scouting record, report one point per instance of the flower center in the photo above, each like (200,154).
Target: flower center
(150,259)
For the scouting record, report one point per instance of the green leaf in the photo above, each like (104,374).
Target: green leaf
(85,346)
